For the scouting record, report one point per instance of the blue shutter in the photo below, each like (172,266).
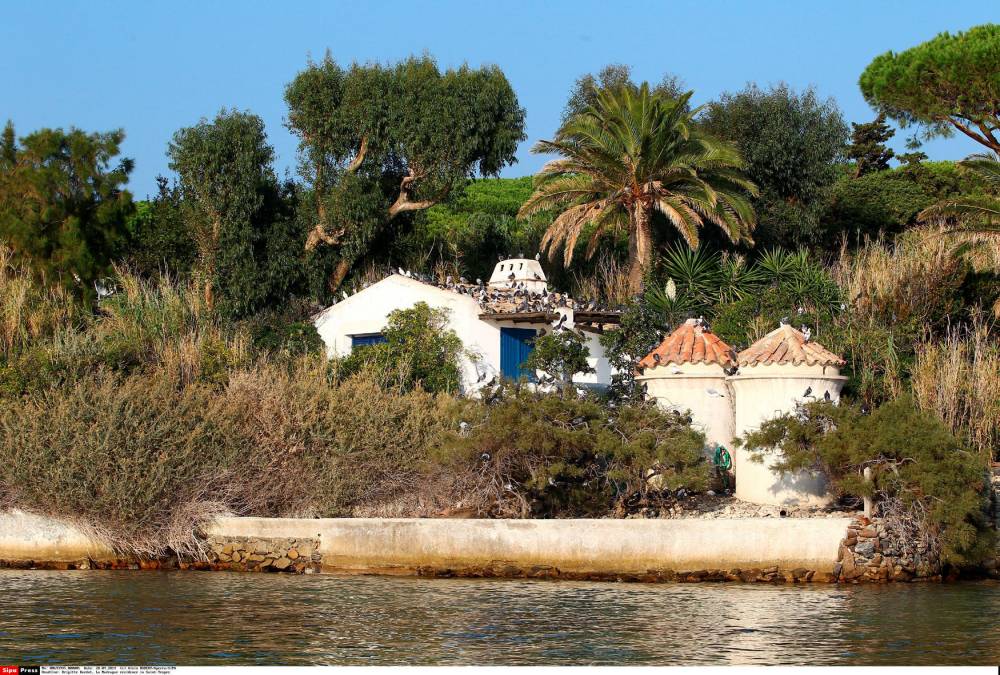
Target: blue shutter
(515,345)
(365,340)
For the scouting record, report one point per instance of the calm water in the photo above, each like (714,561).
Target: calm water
(227,618)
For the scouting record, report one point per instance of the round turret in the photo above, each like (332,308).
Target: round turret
(778,372)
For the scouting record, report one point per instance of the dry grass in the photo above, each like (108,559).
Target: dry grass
(906,281)
(29,312)
(958,378)
(608,283)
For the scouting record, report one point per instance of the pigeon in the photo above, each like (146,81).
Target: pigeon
(676,371)
(656,358)
(808,393)
(806,333)
(711,391)
(826,396)
(783,321)
(538,255)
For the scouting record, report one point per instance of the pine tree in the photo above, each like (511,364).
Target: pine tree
(868,148)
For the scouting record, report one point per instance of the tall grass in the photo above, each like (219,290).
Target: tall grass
(958,378)
(608,284)
(30,312)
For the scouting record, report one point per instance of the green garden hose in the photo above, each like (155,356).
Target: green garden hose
(723,463)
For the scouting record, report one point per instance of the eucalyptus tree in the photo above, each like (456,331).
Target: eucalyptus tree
(64,208)
(947,84)
(378,142)
(229,195)
(631,155)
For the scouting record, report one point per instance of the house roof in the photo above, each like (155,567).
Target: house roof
(787,345)
(690,343)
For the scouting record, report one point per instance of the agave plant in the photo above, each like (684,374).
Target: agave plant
(630,155)
(974,214)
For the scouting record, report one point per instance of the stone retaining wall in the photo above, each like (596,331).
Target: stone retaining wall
(256,554)
(868,554)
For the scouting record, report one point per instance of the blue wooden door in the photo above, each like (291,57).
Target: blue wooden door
(515,345)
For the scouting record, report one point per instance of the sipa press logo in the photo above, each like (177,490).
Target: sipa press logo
(20,670)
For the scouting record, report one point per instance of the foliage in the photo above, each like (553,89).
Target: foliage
(793,144)
(973,213)
(472,230)
(160,240)
(947,83)
(548,455)
(63,206)
(633,154)
(587,88)
(915,461)
(868,149)
(233,209)
(419,350)
(888,202)
(560,354)
(143,463)
(408,134)
(958,378)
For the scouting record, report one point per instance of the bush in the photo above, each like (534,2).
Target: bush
(419,350)
(142,463)
(560,354)
(546,455)
(923,477)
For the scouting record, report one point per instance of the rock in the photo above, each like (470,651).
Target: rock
(282,563)
(254,557)
(877,559)
(309,570)
(865,548)
(868,533)
(237,557)
(225,557)
(267,562)
(837,569)
(292,553)
(228,548)
(850,541)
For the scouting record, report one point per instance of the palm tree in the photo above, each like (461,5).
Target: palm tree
(629,155)
(974,214)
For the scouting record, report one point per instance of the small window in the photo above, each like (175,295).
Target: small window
(521,267)
(366,340)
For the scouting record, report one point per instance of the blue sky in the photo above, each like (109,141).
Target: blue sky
(152,68)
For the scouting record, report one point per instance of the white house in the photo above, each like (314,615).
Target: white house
(496,320)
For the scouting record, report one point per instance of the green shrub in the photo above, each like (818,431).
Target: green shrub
(922,475)
(546,455)
(419,350)
(560,354)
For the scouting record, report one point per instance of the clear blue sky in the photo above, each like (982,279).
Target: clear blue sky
(151,68)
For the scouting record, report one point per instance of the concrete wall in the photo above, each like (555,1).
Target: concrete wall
(26,537)
(764,392)
(603,546)
(367,311)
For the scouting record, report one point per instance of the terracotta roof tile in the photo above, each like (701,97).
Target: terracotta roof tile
(787,345)
(690,343)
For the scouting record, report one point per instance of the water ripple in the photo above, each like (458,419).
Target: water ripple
(226,619)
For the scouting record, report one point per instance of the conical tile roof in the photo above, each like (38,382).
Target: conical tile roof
(690,343)
(787,345)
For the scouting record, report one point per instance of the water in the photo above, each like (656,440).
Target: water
(218,618)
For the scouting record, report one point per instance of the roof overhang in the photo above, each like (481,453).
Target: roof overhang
(522,317)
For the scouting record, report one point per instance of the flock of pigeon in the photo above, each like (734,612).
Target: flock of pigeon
(511,297)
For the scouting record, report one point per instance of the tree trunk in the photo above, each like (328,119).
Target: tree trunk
(339,272)
(209,294)
(640,246)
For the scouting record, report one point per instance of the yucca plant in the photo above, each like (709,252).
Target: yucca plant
(630,155)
